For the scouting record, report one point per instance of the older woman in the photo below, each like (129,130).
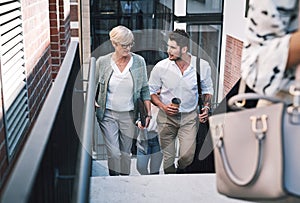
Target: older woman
(121,78)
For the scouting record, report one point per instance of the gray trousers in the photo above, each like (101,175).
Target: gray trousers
(118,131)
(185,127)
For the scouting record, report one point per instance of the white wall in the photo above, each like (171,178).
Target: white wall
(233,25)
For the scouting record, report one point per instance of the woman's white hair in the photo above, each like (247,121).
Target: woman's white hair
(121,34)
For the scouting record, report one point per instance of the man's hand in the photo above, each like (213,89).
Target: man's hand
(147,121)
(170,110)
(203,116)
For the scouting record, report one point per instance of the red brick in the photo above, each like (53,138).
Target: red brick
(232,62)
(53,30)
(74,13)
(54,75)
(74,32)
(54,46)
(55,61)
(55,53)
(53,23)
(54,38)
(52,7)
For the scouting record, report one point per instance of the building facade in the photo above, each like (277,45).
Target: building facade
(34,37)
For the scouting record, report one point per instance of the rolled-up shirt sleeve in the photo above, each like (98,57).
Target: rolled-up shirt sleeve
(154,81)
(206,80)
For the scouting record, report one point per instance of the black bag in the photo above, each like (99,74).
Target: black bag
(204,158)
(142,111)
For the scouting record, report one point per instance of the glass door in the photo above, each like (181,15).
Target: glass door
(203,20)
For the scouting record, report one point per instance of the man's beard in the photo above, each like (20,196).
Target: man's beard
(178,58)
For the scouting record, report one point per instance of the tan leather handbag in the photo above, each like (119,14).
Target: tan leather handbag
(257,150)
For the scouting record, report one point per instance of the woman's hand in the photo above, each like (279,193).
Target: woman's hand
(139,123)
(96,105)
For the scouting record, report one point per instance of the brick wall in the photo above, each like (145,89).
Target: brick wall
(59,32)
(37,52)
(233,55)
(39,84)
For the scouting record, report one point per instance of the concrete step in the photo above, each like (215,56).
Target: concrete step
(171,188)
(174,188)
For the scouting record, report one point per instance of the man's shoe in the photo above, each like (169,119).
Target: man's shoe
(180,171)
(170,170)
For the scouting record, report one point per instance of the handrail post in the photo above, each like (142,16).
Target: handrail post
(82,182)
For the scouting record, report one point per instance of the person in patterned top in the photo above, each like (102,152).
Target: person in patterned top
(271,50)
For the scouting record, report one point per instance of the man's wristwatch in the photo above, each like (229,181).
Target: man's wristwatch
(207,107)
(148,116)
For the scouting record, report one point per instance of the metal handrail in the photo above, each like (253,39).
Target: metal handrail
(82,181)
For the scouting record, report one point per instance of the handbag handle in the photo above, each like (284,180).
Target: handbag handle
(228,168)
(234,102)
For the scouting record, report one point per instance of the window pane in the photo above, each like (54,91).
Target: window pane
(206,40)
(204,6)
(138,15)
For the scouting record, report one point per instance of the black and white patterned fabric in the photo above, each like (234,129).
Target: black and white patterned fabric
(265,52)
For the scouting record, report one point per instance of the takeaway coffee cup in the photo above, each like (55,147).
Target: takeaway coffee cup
(176,102)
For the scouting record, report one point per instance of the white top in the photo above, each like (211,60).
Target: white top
(205,76)
(167,77)
(120,89)
(153,124)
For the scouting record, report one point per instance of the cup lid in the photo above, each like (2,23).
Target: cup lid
(176,100)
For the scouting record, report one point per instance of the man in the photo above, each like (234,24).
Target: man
(176,77)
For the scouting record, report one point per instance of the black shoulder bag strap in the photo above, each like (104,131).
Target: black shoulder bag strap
(200,101)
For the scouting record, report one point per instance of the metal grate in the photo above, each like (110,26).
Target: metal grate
(14,90)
